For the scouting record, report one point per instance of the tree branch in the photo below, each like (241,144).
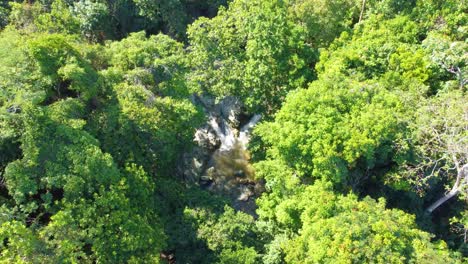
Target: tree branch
(462,173)
(362,10)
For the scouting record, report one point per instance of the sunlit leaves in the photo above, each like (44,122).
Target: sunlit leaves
(251,50)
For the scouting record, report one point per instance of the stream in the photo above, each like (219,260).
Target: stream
(220,162)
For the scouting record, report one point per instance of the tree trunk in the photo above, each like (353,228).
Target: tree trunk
(362,10)
(442,200)
(462,177)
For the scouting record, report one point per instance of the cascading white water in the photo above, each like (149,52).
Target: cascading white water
(244,134)
(221,161)
(227,136)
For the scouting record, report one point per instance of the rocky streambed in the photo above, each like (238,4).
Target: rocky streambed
(220,160)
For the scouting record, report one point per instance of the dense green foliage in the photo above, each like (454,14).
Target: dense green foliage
(365,126)
(251,50)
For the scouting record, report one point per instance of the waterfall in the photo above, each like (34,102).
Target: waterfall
(244,134)
(227,136)
(221,162)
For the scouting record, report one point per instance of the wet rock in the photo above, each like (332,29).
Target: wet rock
(206,178)
(220,161)
(239,173)
(245,193)
(205,137)
(231,109)
(206,181)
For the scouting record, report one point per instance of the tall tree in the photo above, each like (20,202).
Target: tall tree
(251,50)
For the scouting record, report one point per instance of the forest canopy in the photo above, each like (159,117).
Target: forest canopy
(234,131)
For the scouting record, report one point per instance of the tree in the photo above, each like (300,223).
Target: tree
(105,20)
(314,224)
(251,50)
(65,72)
(93,18)
(353,120)
(358,99)
(323,21)
(22,15)
(354,231)
(231,235)
(389,8)
(442,142)
(337,130)
(3,14)
(76,201)
(23,245)
(449,55)
(445,17)
(172,13)
(145,104)
(378,49)
(60,19)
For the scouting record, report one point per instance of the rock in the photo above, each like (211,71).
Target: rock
(230,109)
(245,193)
(206,181)
(206,138)
(259,187)
(244,133)
(14,109)
(210,171)
(239,173)
(193,164)
(205,178)
(220,162)
(223,132)
(207,102)
(243,197)
(197,164)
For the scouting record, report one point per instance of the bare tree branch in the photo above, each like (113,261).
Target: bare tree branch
(462,174)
